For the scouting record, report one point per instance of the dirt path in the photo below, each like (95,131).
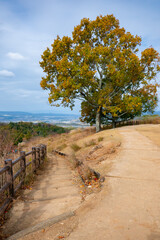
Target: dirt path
(128,207)
(52,194)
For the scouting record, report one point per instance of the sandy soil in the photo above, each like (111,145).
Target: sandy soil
(151,131)
(129,206)
(53,193)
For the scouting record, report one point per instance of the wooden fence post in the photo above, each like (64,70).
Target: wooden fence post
(45,151)
(42,154)
(23,165)
(9,176)
(38,156)
(33,159)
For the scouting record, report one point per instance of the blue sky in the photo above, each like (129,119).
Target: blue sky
(27,27)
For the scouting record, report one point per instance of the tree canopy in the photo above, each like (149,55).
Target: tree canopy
(100,65)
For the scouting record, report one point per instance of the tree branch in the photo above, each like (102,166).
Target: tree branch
(85,97)
(115,92)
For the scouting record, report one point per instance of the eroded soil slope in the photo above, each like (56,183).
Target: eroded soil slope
(58,187)
(128,206)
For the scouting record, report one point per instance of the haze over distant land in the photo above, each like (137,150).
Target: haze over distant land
(61,119)
(27,28)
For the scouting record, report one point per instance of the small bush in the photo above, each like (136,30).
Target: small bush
(72,160)
(50,149)
(61,147)
(100,139)
(28,179)
(75,147)
(90,143)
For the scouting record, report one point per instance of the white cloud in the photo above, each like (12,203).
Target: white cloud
(15,56)
(6,73)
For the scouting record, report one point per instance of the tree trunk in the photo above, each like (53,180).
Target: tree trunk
(98,120)
(113,123)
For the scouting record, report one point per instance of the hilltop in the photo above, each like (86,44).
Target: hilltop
(124,206)
(60,173)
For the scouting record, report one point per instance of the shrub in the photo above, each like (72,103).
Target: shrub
(61,147)
(90,143)
(100,139)
(75,147)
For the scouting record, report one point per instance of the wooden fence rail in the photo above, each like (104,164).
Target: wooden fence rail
(8,187)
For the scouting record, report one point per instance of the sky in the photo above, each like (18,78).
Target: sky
(28,27)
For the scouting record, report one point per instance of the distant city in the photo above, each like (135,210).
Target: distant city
(63,120)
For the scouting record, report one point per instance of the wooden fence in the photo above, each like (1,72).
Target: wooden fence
(155,120)
(13,174)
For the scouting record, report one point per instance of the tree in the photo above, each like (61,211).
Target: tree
(127,107)
(100,66)
(6,142)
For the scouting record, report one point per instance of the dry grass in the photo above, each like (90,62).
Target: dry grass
(75,147)
(78,141)
(1,162)
(84,144)
(100,139)
(72,160)
(92,142)
(97,150)
(61,147)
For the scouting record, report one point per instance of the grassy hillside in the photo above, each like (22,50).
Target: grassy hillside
(25,130)
(94,149)
(14,133)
